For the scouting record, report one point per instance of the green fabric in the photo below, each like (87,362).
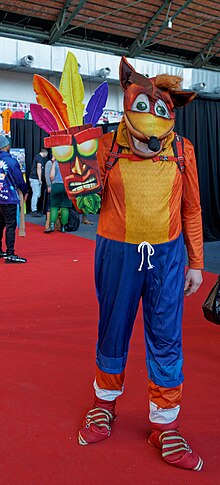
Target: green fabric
(58,196)
(64,212)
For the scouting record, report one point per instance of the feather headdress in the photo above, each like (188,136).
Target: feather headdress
(64,108)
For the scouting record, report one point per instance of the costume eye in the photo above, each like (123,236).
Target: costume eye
(161,109)
(141,103)
(63,153)
(87,148)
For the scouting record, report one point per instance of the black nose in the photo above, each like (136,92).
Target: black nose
(154,144)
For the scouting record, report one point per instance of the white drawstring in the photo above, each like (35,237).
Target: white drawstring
(150,252)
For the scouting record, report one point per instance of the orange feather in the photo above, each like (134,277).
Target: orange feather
(49,97)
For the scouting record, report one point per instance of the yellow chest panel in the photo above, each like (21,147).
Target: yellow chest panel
(148,187)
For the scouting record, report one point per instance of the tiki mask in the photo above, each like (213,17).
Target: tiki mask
(76,153)
(60,114)
(149,108)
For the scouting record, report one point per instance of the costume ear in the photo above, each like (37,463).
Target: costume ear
(125,71)
(181,98)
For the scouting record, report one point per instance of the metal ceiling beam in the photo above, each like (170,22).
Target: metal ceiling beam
(206,53)
(120,51)
(163,26)
(140,40)
(60,25)
(22,31)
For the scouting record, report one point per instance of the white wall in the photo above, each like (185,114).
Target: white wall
(16,81)
(17,86)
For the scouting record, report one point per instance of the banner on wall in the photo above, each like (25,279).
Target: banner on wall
(19,154)
(111,116)
(12,109)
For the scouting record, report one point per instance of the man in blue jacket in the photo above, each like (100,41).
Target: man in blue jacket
(11,179)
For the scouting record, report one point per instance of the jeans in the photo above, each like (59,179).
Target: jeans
(36,193)
(8,220)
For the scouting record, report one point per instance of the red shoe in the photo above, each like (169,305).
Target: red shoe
(96,426)
(175,449)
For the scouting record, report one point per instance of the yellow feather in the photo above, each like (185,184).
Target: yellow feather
(72,90)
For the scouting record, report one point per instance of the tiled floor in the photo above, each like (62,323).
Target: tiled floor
(211,249)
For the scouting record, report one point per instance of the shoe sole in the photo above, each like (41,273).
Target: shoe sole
(15,262)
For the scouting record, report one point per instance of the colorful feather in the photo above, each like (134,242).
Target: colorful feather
(96,104)
(49,97)
(43,118)
(72,90)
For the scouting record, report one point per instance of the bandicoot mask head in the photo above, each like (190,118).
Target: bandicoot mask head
(149,108)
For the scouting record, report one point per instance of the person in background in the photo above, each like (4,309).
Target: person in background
(58,198)
(36,178)
(48,167)
(11,178)
(85,220)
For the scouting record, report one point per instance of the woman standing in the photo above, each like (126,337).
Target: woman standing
(58,198)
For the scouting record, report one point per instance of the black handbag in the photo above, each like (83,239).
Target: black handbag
(211,306)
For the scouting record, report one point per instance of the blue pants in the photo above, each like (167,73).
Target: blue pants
(120,287)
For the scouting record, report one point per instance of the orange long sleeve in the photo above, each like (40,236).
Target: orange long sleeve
(191,209)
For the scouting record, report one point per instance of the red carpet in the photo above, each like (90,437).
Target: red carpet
(48,335)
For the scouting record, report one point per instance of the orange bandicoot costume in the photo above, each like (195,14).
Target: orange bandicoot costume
(150,202)
(150,205)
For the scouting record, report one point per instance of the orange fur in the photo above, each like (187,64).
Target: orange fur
(167,81)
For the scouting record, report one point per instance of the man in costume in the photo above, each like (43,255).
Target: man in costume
(150,205)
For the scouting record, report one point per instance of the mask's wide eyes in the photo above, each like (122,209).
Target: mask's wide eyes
(88,148)
(63,153)
(161,109)
(141,103)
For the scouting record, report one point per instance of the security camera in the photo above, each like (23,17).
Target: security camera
(27,60)
(104,72)
(199,86)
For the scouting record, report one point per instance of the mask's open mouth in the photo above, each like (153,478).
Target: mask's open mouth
(148,149)
(83,184)
(78,186)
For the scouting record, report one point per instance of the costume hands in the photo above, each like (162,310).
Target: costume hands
(193,281)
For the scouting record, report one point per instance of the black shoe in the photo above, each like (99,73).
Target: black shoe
(52,227)
(3,254)
(35,214)
(13,258)
(47,231)
(63,229)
